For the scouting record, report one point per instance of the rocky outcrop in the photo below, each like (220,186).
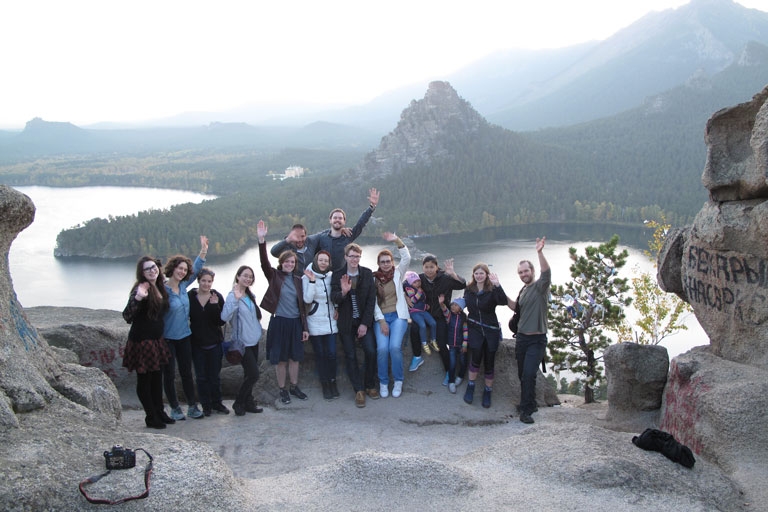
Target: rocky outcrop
(57,418)
(717,408)
(599,470)
(715,397)
(636,377)
(424,133)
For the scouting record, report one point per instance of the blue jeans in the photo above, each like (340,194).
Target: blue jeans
(367,378)
(325,356)
(424,319)
(207,368)
(458,364)
(529,351)
(181,350)
(390,347)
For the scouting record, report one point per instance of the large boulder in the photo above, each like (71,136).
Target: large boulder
(717,408)
(636,377)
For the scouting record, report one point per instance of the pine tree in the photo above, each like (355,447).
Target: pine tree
(586,307)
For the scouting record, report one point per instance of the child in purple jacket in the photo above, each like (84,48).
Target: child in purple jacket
(419,310)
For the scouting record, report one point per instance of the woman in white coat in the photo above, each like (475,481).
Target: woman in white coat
(390,315)
(321,321)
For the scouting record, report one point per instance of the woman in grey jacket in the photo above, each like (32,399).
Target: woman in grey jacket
(321,321)
(244,315)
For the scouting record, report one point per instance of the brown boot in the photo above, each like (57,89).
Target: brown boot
(373,393)
(360,399)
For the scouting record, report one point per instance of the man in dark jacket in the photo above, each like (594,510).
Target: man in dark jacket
(353,292)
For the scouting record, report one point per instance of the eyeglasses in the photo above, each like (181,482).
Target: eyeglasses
(150,269)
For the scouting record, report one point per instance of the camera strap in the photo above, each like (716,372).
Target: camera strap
(96,478)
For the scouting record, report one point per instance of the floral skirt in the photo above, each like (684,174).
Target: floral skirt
(146,355)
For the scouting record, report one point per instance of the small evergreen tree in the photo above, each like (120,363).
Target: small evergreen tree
(586,307)
(552,381)
(563,386)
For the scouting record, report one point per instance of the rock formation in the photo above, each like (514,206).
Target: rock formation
(636,377)
(424,132)
(57,418)
(715,397)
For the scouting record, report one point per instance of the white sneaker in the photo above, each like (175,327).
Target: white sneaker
(384,390)
(452,387)
(458,380)
(397,390)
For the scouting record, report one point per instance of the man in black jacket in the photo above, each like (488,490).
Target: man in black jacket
(353,292)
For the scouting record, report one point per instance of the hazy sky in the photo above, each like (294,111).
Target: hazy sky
(118,60)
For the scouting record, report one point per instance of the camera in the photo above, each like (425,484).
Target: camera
(120,458)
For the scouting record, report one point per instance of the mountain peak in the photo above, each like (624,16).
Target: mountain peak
(425,131)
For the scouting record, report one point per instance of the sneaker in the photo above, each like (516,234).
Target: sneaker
(445,380)
(415,363)
(194,412)
(434,346)
(452,388)
(487,397)
(397,389)
(384,390)
(166,419)
(284,396)
(177,415)
(469,394)
(220,408)
(334,389)
(239,409)
(360,399)
(295,391)
(373,393)
(207,411)
(535,408)
(425,348)
(152,422)
(526,418)
(458,380)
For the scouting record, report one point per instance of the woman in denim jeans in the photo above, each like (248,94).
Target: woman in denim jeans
(181,273)
(390,315)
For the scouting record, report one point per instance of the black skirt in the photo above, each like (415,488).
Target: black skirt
(284,340)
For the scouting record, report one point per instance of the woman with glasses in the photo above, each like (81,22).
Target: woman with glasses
(145,351)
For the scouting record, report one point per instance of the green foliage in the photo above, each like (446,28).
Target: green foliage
(661,313)
(588,306)
(552,381)
(563,386)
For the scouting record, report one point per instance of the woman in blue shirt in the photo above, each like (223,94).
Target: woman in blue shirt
(180,273)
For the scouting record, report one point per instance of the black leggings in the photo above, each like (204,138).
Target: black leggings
(487,357)
(250,365)
(149,388)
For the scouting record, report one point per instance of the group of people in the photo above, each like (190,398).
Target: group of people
(319,292)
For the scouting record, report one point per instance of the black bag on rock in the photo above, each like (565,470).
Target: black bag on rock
(660,441)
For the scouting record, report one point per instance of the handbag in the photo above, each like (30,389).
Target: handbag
(234,348)
(515,320)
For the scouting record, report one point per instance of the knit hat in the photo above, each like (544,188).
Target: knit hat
(411,277)
(460,302)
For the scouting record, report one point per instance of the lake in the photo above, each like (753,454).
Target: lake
(42,280)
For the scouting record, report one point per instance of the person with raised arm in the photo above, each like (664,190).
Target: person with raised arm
(321,320)
(483,294)
(531,344)
(436,282)
(181,272)
(287,329)
(391,315)
(145,351)
(244,318)
(354,293)
(332,240)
